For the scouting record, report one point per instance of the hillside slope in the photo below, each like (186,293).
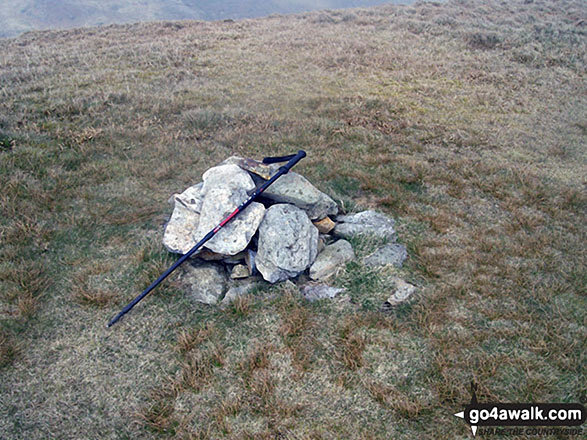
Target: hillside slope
(19,16)
(464,121)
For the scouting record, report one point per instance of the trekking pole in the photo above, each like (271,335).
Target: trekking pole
(292,160)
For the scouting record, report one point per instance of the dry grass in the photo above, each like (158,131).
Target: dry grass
(92,288)
(8,350)
(188,340)
(464,120)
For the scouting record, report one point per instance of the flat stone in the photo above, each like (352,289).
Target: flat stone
(365,223)
(394,254)
(241,288)
(325,225)
(330,259)
(239,271)
(288,243)
(225,188)
(403,291)
(320,291)
(253,166)
(177,236)
(297,190)
(204,282)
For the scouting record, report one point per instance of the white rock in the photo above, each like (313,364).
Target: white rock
(178,235)
(225,188)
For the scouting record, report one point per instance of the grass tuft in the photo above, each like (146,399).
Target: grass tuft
(8,350)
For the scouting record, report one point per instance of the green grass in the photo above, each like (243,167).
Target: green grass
(464,121)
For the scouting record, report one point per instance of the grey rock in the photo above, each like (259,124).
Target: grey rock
(320,291)
(295,189)
(403,291)
(178,235)
(225,187)
(366,222)
(330,259)
(204,282)
(288,243)
(241,288)
(394,254)
(239,271)
(250,261)
(321,243)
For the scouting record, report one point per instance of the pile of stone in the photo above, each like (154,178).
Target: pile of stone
(293,229)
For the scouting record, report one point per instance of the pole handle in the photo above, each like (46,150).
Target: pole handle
(299,156)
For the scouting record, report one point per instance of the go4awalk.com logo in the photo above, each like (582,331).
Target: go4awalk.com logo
(526,417)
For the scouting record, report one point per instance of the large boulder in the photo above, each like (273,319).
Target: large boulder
(365,223)
(225,188)
(295,189)
(178,235)
(288,243)
(330,259)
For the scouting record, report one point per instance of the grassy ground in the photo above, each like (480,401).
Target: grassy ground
(465,121)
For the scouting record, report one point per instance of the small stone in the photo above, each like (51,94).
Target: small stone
(297,190)
(204,282)
(403,291)
(325,225)
(239,271)
(394,254)
(320,291)
(288,243)
(330,259)
(366,222)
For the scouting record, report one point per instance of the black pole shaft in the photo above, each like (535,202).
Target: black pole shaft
(282,170)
